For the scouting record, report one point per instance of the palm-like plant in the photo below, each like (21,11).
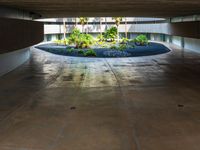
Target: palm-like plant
(83,22)
(117,23)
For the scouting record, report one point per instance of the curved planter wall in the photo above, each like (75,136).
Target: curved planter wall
(16,37)
(12,60)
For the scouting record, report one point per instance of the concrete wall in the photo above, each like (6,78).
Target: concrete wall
(6,12)
(156,37)
(106,20)
(192,44)
(176,40)
(14,13)
(17,34)
(12,60)
(187,43)
(131,28)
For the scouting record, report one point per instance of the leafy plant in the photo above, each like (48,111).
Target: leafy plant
(113,47)
(114,42)
(65,41)
(100,37)
(80,40)
(122,47)
(90,52)
(70,50)
(124,41)
(84,41)
(60,42)
(117,22)
(80,51)
(111,34)
(131,46)
(100,43)
(141,40)
(74,36)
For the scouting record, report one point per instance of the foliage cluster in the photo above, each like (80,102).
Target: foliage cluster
(141,40)
(117,20)
(61,42)
(110,34)
(90,53)
(124,41)
(80,40)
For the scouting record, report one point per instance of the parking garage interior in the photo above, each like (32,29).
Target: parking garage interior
(54,102)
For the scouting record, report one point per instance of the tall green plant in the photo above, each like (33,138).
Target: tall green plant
(117,23)
(111,34)
(74,36)
(80,40)
(85,41)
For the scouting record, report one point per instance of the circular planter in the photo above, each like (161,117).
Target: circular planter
(133,50)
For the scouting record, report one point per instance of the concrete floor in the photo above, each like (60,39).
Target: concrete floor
(66,103)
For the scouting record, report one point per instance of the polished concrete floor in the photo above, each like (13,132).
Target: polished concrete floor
(65,103)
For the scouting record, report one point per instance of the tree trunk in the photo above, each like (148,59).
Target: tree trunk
(87,28)
(64,29)
(100,28)
(126,35)
(117,33)
(82,28)
(106,23)
(75,22)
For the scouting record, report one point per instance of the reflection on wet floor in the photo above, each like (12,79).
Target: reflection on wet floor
(55,102)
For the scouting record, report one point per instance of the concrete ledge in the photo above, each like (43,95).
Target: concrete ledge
(18,34)
(10,61)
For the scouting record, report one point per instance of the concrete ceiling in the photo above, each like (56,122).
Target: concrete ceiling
(76,8)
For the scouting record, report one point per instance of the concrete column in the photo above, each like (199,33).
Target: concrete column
(17,34)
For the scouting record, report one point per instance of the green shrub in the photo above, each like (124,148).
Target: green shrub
(57,42)
(110,34)
(70,50)
(74,36)
(80,40)
(100,37)
(124,41)
(122,47)
(60,42)
(84,41)
(102,44)
(80,51)
(113,47)
(65,41)
(141,40)
(90,52)
(131,46)
(114,42)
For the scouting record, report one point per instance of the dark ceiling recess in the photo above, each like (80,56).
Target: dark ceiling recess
(76,8)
